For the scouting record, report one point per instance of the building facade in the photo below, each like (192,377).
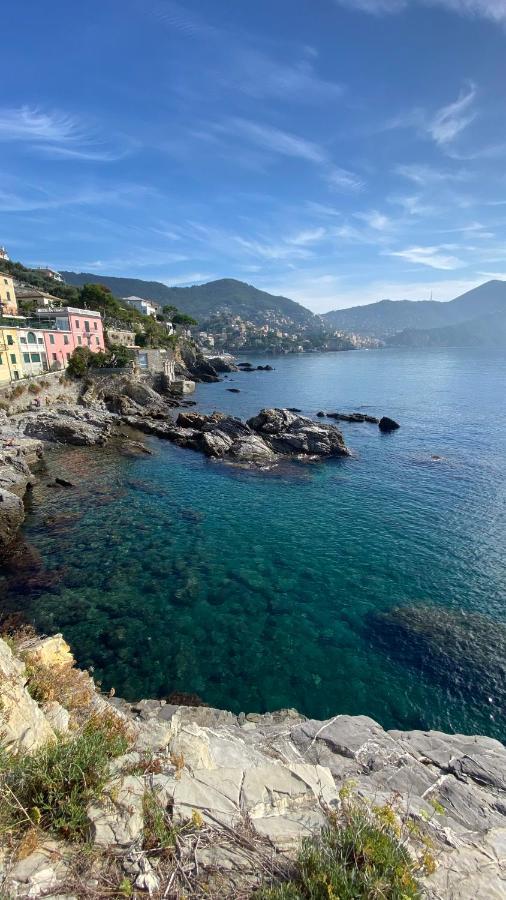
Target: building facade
(33,351)
(8,302)
(85,326)
(146,307)
(10,356)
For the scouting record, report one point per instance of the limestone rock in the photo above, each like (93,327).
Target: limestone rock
(51,652)
(39,873)
(118,819)
(23,725)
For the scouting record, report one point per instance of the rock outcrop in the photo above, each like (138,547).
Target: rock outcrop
(68,425)
(270,437)
(17,454)
(353,417)
(246,789)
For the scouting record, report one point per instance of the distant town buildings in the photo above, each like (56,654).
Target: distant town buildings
(4,255)
(146,307)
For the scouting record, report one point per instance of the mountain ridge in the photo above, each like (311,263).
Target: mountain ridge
(202,300)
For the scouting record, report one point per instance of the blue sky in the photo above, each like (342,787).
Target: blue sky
(335,151)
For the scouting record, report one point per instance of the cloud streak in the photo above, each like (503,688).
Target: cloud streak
(493,10)
(55,134)
(429,256)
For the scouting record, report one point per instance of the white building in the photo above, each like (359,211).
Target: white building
(4,255)
(146,307)
(50,273)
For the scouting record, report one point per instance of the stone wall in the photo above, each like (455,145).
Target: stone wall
(49,388)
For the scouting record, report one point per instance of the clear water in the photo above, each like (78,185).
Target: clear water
(258,591)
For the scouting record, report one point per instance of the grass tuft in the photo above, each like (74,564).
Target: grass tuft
(359,855)
(52,788)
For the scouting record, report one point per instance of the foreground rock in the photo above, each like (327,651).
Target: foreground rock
(17,455)
(246,789)
(68,425)
(271,436)
(388,424)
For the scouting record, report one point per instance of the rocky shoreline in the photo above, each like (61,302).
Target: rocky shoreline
(240,792)
(106,403)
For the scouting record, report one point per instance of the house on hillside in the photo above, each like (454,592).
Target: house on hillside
(50,273)
(156,362)
(8,302)
(40,298)
(146,307)
(33,351)
(4,255)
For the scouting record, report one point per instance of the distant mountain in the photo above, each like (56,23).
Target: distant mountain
(484,331)
(201,301)
(387,318)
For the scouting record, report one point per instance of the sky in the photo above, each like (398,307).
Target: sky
(334,151)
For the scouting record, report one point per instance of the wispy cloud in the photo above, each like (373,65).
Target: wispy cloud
(429,256)
(276,141)
(308,236)
(450,120)
(375,220)
(425,175)
(494,10)
(56,134)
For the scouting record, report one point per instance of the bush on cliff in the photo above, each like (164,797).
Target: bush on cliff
(359,855)
(52,788)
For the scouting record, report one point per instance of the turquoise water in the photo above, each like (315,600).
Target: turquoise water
(257,591)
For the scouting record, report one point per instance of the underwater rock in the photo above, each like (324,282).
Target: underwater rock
(353,417)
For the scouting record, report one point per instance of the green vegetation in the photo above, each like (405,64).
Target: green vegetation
(203,300)
(159,833)
(82,360)
(359,855)
(52,788)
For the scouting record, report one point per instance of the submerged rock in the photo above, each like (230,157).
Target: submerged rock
(353,417)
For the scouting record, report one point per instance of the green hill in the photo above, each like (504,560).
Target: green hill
(485,331)
(203,300)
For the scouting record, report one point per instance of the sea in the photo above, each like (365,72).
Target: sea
(374,585)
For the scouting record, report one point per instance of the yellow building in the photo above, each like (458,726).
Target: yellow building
(10,356)
(8,302)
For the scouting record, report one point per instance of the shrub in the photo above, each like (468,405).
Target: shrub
(52,788)
(17,391)
(34,388)
(357,856)
(79,362)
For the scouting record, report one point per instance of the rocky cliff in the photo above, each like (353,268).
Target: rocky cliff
(198,802)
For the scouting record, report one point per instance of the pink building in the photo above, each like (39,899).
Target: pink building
(69,328)
(59,347)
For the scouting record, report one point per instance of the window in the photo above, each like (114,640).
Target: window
(79,339)
(51,339)
(13,358)
(67,355)
(40,340)
(16,375)
(1,360)
(55,358)
(77,323)
(86,326)
(35,357)
(22,340)
(95,326)
(8,295)
(65,339)
(97,341)
(26,357)
(31,338)
(10,339)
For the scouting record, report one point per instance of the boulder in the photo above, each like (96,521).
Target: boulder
(353,417)
(118,819)
(388,424)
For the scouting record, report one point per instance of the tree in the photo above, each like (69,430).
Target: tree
(180,318)
(79,362)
